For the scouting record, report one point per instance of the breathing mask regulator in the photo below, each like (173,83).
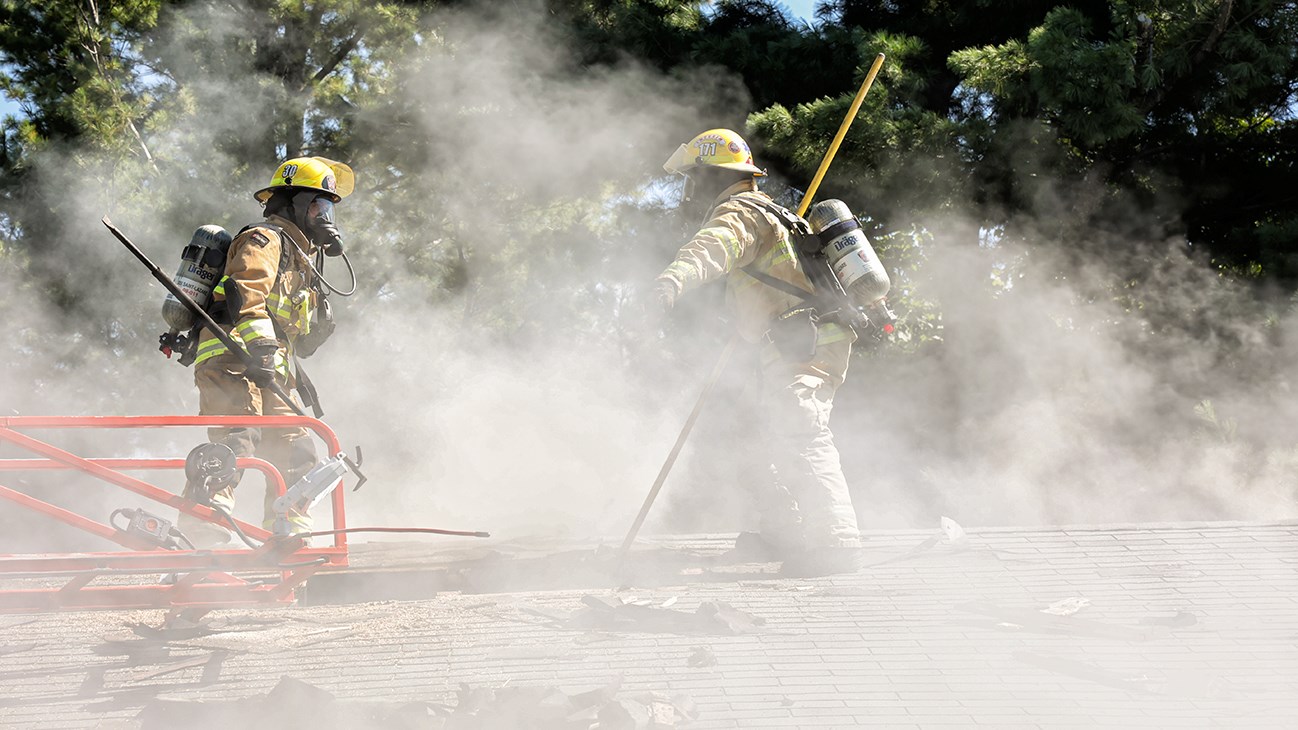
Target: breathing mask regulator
(315,216)
(313,213)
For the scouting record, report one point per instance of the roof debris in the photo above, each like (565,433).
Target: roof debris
(701,656)
(711,617)
(953,532)
(1049,622)
(294,703)
(1084,670)
(1067,606)
(7,649)
(1180,620)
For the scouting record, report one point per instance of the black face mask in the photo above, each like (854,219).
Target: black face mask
(702,187)
(316,220)
(694,205)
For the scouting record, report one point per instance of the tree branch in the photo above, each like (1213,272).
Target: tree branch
(339,56)
(91,46)
(1154,96)
(1219,27)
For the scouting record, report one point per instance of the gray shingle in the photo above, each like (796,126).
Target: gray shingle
(1187,626)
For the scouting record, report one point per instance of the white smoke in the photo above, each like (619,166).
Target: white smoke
(508,398)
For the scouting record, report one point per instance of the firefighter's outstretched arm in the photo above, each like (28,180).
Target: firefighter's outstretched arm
(724,244)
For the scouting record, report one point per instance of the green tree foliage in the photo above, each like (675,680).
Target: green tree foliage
(1186,102)
(65,61)
(121,117)
(1182,107)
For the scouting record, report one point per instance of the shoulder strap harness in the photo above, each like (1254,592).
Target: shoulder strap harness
(305,388)
(827,297)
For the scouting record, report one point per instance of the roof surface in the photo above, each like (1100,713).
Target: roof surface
(1116,626)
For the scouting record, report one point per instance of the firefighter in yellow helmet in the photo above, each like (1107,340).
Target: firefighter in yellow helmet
(807,518)
(271,300)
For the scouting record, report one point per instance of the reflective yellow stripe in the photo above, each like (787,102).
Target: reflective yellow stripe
(304,314)
(728,239)
(220,286)
(290,313)
(779,253)
(741,283)
(255,329)
(212,347)
(831,332)
(279,307)
(208,349)
(681,271)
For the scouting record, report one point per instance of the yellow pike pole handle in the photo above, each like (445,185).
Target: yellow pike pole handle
(842,132)
(734,339)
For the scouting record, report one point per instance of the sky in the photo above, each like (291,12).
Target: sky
(805,9)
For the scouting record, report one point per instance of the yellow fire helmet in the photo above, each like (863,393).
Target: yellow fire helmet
(313,173)
(721,148)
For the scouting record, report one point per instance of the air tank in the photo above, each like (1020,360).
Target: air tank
(201,265)
(850,254)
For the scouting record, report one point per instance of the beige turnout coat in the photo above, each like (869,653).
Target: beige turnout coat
(739,234)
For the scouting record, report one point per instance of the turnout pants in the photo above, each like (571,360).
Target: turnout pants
(807,504)
(223,391)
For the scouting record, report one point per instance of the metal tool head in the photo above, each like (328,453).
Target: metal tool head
(210,463)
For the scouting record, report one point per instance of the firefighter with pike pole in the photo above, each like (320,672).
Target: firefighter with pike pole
(266,292)
(803,290)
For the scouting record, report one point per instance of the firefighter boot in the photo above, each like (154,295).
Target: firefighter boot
(819,561)
(753,547)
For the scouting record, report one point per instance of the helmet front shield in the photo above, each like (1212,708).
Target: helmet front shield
(344,178)
(680,161)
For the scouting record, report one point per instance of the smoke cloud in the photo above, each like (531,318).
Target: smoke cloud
(492,370)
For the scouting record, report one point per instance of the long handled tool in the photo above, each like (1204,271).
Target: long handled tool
(842,132)
(680,443)
(198,312)
(734,340)
(327,474)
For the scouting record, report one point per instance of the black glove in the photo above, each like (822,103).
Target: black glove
(650,312)
(262,371)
